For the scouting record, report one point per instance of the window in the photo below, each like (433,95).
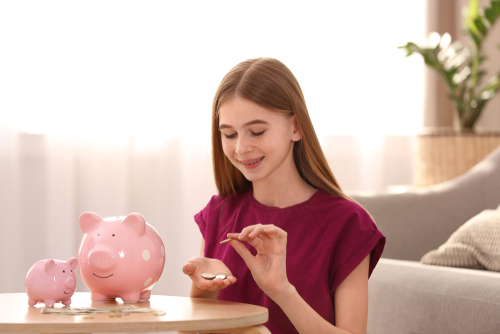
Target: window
(109,69)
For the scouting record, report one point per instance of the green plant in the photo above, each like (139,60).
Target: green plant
(459,66)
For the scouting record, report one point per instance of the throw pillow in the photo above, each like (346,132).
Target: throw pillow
(475,245)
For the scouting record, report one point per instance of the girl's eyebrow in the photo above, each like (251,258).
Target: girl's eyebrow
(257,121)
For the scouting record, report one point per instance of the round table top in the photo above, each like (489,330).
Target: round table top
(182,313)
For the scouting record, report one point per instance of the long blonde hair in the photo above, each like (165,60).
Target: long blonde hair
(270,84)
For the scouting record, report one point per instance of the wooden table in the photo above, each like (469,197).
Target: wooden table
(182,314)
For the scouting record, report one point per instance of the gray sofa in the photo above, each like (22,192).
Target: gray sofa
(406,296)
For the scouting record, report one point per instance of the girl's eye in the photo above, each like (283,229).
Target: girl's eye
(230,136)
(256,134)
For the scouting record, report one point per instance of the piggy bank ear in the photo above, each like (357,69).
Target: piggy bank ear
(87,220)
(49,263)
(72,261)
(137,222)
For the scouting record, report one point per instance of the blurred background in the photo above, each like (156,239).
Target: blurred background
(105,107)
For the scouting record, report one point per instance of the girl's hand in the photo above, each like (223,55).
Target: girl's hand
(200,265)
(268,267)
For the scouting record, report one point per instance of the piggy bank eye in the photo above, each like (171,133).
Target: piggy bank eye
(71,270)
(64,271)
(98,234)
(113,234)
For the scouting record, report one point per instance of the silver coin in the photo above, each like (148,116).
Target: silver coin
(159,313)
(208,276)
(221,275)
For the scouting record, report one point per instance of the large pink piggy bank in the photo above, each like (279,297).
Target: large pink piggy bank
(51,281)
(119,257)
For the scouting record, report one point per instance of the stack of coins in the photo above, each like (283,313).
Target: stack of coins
(115,314)
(214,276)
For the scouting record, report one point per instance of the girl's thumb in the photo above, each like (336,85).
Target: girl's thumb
(188,269)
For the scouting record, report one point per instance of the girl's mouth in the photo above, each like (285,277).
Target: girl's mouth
(252,164)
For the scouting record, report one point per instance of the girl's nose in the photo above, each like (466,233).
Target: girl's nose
(242,146)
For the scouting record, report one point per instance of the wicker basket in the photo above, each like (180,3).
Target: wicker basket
(442,155)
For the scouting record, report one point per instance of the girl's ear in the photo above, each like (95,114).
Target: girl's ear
(297,133)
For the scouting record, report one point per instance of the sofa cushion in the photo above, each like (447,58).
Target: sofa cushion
(408,297)
(475,245)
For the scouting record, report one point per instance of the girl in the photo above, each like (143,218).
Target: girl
(300,247)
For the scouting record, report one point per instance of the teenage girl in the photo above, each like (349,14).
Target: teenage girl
(300,247)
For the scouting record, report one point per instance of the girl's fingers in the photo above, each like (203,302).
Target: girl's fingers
(233,235)
(213,287)
(257,231)
(271,229)
(252,232)
(256,235)
(247,231)
(242,251)
(188,269)
(276,233)
(254,242)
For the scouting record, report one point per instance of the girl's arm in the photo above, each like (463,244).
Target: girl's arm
(268,269)
(200,287)
(351,306)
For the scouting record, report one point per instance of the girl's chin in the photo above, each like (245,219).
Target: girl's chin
(252,177)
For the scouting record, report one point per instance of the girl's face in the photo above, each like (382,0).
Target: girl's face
(257,141)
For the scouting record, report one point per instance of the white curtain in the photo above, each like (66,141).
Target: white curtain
(105,107)
(47,182)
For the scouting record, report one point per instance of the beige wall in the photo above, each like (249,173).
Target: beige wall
(445,16)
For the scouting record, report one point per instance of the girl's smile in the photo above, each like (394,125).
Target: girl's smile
(257,141)
(251,164)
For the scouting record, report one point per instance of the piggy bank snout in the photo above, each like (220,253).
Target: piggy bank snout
(102,259)
(70,283)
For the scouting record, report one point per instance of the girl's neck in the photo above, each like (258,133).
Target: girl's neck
(293,191)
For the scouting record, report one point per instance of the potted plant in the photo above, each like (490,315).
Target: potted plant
(469,88)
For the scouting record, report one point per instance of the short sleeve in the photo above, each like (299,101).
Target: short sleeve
(216,218)
(207,214)
(358,237)
(200,218)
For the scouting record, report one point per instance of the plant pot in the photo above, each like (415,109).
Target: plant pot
(443,154)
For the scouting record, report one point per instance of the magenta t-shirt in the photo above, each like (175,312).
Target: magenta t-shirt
(328,237)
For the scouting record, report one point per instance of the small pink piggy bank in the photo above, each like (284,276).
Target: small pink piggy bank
(120,257)
(51,281)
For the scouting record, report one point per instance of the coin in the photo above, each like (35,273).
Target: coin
(208,276)
(221,275)
(88,317)
(158,313)
(227,240)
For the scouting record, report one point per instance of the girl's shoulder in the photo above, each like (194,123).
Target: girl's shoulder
(327,207)
(229,203)
(337,215)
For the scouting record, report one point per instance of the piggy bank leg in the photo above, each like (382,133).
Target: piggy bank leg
(67,302)
(145,295)
(97,297)
(132,297)
(32,302)
(49,302)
